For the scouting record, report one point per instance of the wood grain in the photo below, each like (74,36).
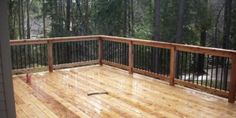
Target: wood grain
(232,90)
(63,93)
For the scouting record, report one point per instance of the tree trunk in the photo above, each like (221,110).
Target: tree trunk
(86,19)
(44,22)
(157,20)
(22,19)
(132,17)
(28,19)
(19,19)
(79,31)
(200,59)
(227,24)
(216,44)
(125,18)
(179,29)
(226,37)
(68,15)
(156,36)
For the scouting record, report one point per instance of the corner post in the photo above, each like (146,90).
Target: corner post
(232,86)
(131,57)
(100,51)
(50,56)
(172,66)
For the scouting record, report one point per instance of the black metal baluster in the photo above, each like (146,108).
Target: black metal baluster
(185,65)
(203,69)
(222,71)
(216,74)
(226,74)
(189,55)
(212,70)
(193,62)
(12,57)
(207,68)
(142,56)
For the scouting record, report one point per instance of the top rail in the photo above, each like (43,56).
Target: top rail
(53,40)
(180,47)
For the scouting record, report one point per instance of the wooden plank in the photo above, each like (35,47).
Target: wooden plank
(100,51)
(137,41)
(205,50)
(140,96)
(53,40)
(92,107)
(74,39)
(202,88)
(28,42)
(151,74)
(75,64)
(184,98)
(125,67)
(172,66)
(131,57)
(31,70)
(113,39)
(158,44)
(180,47)
(232,86)
(50,56)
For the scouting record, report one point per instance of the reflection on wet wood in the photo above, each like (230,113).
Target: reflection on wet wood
(63,93)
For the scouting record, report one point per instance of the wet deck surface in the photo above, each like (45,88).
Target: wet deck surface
(64,93)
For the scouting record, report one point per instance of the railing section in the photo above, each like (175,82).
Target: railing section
(208,69)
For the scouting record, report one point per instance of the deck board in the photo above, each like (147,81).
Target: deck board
(63,93)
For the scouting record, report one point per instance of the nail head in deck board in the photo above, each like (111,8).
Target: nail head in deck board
(5,63)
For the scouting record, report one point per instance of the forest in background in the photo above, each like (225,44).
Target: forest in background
(199,22)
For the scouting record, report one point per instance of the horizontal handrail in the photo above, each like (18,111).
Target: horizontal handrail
(53,40)
(173,48)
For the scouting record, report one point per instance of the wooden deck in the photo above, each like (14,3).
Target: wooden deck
(63,93)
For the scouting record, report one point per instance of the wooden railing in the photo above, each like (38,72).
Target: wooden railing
(208,69)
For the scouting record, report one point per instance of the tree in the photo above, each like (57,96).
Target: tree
(28,19)
(44,18)
(227,24)
(156,35)
(203,24)
(157,21)
(68,15)
(22,19)
(179,29)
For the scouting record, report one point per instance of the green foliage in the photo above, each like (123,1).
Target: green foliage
(233,32)
(114,17)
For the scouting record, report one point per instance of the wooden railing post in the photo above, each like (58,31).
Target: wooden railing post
(172,66)
(131,57)
(232,86)
(50,56)
(100,51)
